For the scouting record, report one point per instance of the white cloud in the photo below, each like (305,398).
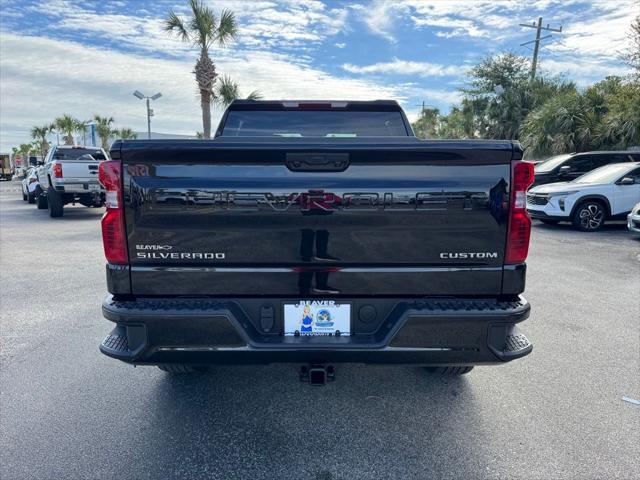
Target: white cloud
(340,45)
(583,72)
(87,80)
(380,16)
(604,35)
(404,67)
(290,24)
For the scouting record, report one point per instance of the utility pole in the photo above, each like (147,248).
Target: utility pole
(422,115)
(536,48)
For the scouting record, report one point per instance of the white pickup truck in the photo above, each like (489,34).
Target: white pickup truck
(69,174)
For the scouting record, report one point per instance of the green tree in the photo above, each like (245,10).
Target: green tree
(501,95)
(565,123)
(428,124)
(67,125)
(104,129)
(632,54)
(226,91)
(604,116)
(620,124)
(203,29)
(40,135)
(458,123)
(497,72)
(125,134)
(81,128)
(25,149)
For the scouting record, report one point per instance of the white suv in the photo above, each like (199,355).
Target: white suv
(608,192)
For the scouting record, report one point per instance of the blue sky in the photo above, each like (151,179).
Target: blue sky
(87,57)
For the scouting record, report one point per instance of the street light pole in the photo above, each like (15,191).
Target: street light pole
(148,120)
(141,96)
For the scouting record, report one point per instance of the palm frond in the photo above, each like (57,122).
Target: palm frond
(202,24)
(255,95)
(227,29)
(226,91)
(175,24)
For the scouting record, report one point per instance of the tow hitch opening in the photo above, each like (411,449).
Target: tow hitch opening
(317,374)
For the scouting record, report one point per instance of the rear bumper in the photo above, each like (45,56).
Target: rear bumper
(248,331)
(549,211)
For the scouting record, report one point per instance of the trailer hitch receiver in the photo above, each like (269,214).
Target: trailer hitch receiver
(317,374)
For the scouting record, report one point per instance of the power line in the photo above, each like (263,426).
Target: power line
(538,39)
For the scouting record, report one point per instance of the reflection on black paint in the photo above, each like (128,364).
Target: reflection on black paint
(316,202)
(497,199)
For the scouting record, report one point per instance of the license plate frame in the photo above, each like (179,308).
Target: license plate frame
(340,318)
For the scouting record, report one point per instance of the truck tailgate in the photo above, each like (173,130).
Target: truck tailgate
(80,171)
(357,216)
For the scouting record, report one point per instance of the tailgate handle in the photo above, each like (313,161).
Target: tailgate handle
(317,162)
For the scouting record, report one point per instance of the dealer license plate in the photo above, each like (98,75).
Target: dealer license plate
(317,318)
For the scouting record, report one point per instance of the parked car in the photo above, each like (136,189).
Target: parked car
(30,179)
(322,232)
(69,174)
(633,219)
(606,193)
(564,168)
(20,172)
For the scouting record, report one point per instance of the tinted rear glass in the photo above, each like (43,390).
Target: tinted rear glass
(75,153)
(298,123)
(551,163)
(606,174)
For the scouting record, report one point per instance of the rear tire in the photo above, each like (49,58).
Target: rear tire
(41,201)
(589,216)
(181,368)
(450,370)
(56,207)
(25,197)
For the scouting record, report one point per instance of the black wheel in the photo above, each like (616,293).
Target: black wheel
(25,197)
(589,216)
(450,370)
(41,200)
(546,221)
(181,368)
(31,198)
(56,207)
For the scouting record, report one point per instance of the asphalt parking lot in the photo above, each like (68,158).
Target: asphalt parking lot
(67,411)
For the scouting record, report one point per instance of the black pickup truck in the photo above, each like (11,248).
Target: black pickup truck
(316,233)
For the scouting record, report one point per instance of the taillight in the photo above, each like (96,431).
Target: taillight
(57,170)
(519,230)
(114,238)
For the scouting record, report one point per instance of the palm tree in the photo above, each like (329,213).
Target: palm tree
(125,134)
(202,30)
(226,91)
(40,135)
(104,129)
(67,125)
(81,127)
